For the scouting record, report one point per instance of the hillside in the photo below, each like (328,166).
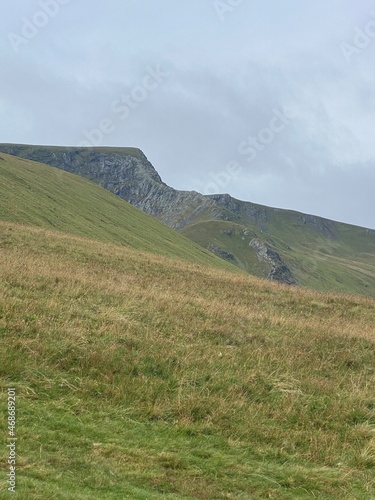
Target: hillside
(37,194)
(280,245)
(142,377)
(298,248)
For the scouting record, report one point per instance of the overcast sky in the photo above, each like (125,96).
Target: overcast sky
(272,101)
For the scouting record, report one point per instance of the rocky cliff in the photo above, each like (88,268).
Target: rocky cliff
(127,173)
(279,271)
(284,240)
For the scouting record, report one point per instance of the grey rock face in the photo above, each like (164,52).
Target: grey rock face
(279,270)
(222,253)
(323,226)
(126,173)
(253,213)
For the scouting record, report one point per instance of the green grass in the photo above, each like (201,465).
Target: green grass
(233,238)
(35,194)
(345,263)
(144,377)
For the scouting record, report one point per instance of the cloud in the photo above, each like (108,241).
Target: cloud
(226,80)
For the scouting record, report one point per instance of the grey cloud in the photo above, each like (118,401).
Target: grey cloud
(227,78)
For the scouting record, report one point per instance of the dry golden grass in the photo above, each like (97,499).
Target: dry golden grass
(179,380)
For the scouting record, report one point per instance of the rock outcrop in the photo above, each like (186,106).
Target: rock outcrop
(279,270)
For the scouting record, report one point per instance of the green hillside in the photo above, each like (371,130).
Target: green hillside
(142,377)
(321,254)
(35,194)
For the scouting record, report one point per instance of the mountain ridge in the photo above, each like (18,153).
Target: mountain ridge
(66,162)
(297,248)
(39,195)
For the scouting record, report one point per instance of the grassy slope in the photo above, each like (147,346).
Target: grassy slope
(142,377)
(36,194)
(345,264)
(229,236)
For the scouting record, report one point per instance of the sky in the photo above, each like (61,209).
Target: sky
(270,101)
